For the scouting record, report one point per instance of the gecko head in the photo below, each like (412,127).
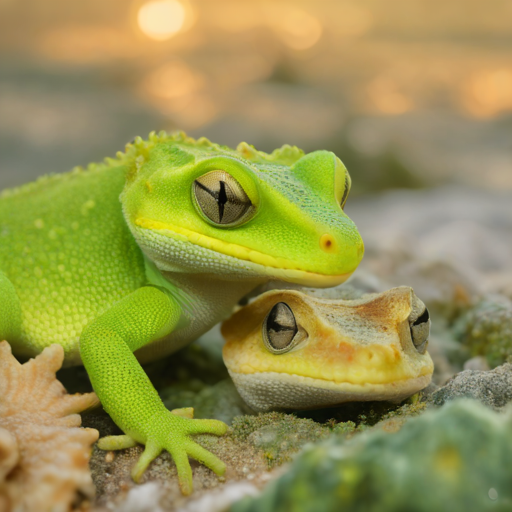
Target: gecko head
(207,208)
(292,350)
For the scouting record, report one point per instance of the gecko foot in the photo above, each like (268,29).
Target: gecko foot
(171,431)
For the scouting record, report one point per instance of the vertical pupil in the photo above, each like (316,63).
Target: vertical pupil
(222,199)
(220,196)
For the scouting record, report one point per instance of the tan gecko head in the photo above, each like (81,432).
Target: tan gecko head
(290,350)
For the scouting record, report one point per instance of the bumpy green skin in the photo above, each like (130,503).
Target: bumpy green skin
(69,255)
(487,330)
(95,260)
(456,458)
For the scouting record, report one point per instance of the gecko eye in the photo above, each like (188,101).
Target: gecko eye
(279,328)
(346,191)
(420,330)
(342,183)
(222,199)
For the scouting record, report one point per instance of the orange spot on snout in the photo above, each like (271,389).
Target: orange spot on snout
(327,243)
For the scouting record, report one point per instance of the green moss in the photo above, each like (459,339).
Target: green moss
(456,458)
(408,410)
(278,435)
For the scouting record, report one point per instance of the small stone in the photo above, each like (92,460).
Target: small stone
(477,363)
(492,388)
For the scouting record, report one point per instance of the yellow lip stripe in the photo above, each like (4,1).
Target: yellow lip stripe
(284,269)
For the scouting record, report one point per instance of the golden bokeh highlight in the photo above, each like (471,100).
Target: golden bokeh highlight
(173,80)
(161,19)
(279,63)
(489,92)
(297,28)
(179,91)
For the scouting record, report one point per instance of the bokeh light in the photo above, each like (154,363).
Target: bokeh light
(178,90)
(298,29)
(489,92)
(173,80)
(304,72)
(161,19)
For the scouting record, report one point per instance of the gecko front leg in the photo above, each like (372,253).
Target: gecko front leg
(106,346)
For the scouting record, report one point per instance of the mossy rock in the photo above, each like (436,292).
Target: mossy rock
(487,330)
(456,458)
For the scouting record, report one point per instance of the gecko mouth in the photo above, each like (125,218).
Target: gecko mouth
(283,268)
(279,391)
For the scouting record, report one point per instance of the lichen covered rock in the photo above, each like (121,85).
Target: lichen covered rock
(279,436)
(492,388)
(487,329)
(456,458)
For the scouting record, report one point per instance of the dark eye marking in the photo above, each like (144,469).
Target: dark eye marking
(425,317)
(222,199)
(345,192)
(420,331)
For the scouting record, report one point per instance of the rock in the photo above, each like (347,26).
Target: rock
(448,355)
(143,498)
(455,458)
(115,487)
(478,363)
(499,282)
(468,227)
(449,244)
(487,329)
(491,388)
(256,444)
(221,499)
(279,436)
(445,288)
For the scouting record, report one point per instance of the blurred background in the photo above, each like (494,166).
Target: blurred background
(411,94)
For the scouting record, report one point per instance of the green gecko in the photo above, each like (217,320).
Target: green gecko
(131,259)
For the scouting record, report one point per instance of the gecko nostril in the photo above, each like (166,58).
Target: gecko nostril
(327,243)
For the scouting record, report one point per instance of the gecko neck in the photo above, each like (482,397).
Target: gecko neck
(204,298)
